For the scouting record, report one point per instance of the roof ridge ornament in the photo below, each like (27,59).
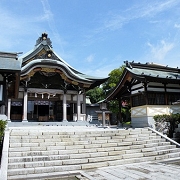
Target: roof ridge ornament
(44,38)
(128,64)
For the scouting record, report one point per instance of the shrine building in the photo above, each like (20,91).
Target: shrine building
(150,89)
(41,86)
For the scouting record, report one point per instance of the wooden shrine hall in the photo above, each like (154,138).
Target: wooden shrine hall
(150,89)
(46,87)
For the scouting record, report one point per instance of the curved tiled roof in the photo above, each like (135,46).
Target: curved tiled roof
(149,72)
(42,55)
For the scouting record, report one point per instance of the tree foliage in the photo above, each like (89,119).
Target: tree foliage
(99,93)
(114,77)
(95,95)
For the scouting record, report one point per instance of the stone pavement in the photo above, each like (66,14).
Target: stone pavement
(136,171)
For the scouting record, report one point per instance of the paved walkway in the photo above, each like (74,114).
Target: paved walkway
(136,171)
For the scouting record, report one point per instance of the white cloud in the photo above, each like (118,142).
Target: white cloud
(90,58)
(177,26)
(48,15)
(150,9)
(160,50)
(114,21)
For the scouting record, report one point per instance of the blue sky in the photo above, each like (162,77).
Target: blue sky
(95,36)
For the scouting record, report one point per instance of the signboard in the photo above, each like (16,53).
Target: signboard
(16,103)
(41,102)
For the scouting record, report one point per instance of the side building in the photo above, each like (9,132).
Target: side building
(10,68)
(151,89)
(49,88)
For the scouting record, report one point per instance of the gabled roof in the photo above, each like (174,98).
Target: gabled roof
(149,72)
(10,67)
(9,62)
(154,72)
(43,55)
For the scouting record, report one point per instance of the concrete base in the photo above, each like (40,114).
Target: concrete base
(3,117)
(140,122)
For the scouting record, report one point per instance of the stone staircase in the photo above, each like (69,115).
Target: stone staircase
(45,153)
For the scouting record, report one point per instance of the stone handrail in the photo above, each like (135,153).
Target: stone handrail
(167,138)
(4,158)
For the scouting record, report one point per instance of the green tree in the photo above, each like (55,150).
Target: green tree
(110,84)
(114,77)
(95,95)
(99,93)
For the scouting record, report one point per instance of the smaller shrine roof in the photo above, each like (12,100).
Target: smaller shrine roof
(9,62)
(153,71)
(148,72)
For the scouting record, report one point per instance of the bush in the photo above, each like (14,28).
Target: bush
(2,129)
(168,123)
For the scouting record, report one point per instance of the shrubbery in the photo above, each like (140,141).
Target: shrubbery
(2,129)
(170,121)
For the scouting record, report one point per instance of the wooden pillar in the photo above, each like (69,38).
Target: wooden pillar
(64,108)
(84,104)
(25,105)
(9,110)
(78,107)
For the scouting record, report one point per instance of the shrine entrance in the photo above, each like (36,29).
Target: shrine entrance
(44,111)
(41,111)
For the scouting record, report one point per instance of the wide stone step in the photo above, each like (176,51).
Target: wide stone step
(33,153)
(93,132)
(167,156)
(48,145)
(162,152)
(151,142)
(22,141)
(62,142)
(100,144)
(149,149)
(37,161)
(39,170)
(111,150)
(97,156)
(57,134)
(67,166)
(37,158)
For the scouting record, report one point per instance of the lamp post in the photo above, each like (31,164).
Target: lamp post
(103,108)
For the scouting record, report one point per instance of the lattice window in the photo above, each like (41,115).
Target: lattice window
(138,100)
(156,98)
